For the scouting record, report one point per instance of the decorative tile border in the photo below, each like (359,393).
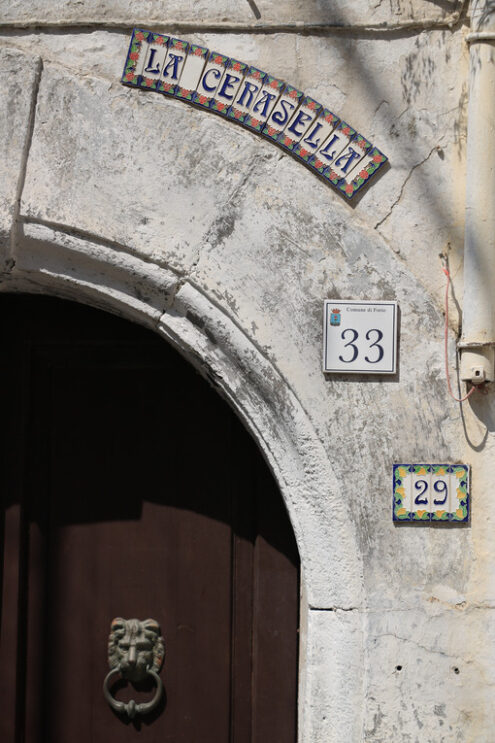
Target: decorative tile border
(311,133)
(431,492)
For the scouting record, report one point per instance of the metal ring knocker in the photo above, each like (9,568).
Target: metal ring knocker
(131,708)
(135,650)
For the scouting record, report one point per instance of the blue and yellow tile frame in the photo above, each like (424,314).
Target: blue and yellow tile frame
(303,127)
(431,492)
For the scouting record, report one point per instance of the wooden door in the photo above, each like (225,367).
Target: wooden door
(130,489)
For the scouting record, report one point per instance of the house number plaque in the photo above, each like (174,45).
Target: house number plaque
(360,337)
(430,492)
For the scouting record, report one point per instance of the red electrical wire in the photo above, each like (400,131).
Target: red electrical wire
(446,340)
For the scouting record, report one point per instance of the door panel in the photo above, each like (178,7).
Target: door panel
(131,490)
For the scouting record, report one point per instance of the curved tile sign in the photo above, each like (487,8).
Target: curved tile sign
(246,95)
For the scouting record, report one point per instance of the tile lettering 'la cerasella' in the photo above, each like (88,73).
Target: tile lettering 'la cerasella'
(280,112)
(283,113)
(194,65)
(299,124)
(324,124)
(264,104)
(247,94)
(210,79)
(229,86)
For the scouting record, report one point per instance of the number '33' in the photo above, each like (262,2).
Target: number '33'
(374,352)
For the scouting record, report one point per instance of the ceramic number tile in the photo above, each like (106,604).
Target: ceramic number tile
(421,492)
(210,79)
(300,123)
(329,151)
(431,492)
(264,103)
(229,87)
(402,492)
(247,93)
(366,169)
(459,493)
(191,72)
(172,67)
(135,57)
(282,113)
(440,492)
(154,58)
(324,124)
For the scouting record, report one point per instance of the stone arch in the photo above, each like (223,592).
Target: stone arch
(53,262)
(56,263)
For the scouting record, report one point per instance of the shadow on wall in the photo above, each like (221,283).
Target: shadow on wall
(118,418)
(419,68)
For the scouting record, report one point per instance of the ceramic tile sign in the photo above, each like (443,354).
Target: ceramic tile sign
(430,492)
(359,337)
(286,116)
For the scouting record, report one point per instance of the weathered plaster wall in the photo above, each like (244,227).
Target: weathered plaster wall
(384,84)
(227,246)
(250,15)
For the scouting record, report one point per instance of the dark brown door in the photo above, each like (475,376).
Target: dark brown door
(131,490)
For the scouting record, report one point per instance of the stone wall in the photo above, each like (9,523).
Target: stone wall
(225,245)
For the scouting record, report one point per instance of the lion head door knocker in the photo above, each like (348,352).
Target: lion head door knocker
(135,650)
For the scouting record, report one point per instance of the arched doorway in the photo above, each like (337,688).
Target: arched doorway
(132,490)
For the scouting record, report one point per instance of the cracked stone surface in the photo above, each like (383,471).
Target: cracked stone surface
(424,678)
(422,681)
(383,87)
(19,71)
(239,12)
(333,642)
(98,140)
(146,289)
(428,161)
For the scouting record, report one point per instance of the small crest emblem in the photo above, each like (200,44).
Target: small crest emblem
(335,317)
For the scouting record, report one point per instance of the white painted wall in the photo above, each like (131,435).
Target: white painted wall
(227,247)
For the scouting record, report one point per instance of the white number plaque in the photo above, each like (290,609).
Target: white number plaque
(359,337)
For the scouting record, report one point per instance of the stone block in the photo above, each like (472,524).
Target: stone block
(332,698)
(115,163)
(358,13)
(428,673)
(102,275)
(17,87)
